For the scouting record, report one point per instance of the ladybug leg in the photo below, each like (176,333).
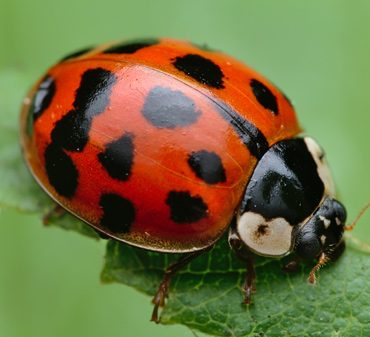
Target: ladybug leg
(245,255)
(250,278)
(324,258)
(56,212)
(292,266)
(171,271)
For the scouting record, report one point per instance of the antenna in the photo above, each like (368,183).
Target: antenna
(359,216)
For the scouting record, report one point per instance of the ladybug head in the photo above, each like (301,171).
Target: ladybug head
(322,233)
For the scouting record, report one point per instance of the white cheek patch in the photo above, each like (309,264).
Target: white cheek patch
(325,221)
(322,165)
(268,238)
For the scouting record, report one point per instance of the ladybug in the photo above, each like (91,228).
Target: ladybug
(165,145)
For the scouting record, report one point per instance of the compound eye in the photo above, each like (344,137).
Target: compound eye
(340,211)
(308,245)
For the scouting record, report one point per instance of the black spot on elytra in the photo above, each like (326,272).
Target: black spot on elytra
(131,46)
(249,134)
(207,166)
(118,213)
(264,96)
(203,70)
(61,171)
(72,131)
(92,97)
(166,108)
(76,54)
(118,157)
(42,97)
(184,208)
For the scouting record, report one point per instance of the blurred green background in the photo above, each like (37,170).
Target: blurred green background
(317,51)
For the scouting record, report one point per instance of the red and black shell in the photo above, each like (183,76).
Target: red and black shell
(152,142)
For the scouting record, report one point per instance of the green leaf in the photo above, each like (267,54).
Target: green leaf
(206,295)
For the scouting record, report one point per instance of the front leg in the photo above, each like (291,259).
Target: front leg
(246,256)
(249,285)
(171,271)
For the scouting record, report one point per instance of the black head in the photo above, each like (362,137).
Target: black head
(323,232)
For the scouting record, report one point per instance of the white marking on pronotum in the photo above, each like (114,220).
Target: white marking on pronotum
(322,166)
(267,238)
(337,221)
(323,238)
(325,221)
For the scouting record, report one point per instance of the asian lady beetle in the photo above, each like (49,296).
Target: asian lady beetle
(162,144)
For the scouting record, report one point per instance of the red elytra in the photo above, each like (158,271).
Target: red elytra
(190,122)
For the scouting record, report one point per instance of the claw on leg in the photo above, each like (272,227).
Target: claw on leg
(160,297)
